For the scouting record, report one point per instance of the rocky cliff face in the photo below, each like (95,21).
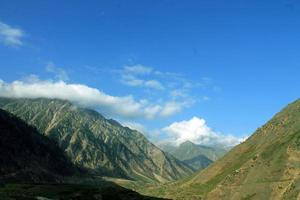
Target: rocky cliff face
(95,143)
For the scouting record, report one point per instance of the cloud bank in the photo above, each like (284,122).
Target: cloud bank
(197,131)
(11,36)
(116,106)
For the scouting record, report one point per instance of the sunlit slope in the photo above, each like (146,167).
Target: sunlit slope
(265,166)
(91,141)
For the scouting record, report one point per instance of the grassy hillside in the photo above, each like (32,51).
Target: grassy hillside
(265,166)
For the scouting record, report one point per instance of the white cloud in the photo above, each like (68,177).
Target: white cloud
(135,126)
(175,85)
(179,93)
(134,76)
(171,107)
(205,98)
(59,73)
(154,84)
(11,36)
(132,80)
(138,69)
(124,106)
(197,131)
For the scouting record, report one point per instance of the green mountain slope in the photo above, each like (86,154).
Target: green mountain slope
(198,162)
(95,143)
(265,166)
(196,156)
(28,156)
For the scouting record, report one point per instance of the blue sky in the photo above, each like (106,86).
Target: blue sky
(233,63)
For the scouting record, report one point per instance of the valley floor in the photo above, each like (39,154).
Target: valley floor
(68,192)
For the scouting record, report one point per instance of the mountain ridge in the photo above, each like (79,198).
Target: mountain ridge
(32,166)
(195,155)
(95,143)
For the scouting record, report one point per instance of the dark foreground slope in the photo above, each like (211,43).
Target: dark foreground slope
(34,167)
(69,192)
(103,146)
(265,166)
(28,156)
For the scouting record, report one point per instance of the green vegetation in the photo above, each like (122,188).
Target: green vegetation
(266,166)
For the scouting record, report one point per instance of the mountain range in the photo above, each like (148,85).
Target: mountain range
(32,167)
(196,156)
(49,140)
(102,146)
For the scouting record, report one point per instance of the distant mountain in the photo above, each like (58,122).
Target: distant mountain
(28,156)
(265,166)
(198,162)
(196,156)
(102,146)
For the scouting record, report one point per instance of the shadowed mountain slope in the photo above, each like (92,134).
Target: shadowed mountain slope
(28,156)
